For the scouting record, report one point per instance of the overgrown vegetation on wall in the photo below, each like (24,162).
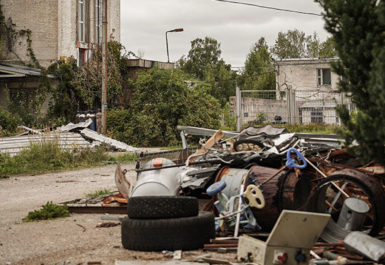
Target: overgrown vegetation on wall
(24,103)
(8,122)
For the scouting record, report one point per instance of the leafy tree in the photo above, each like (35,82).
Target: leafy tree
(204,63)
(161,101)
(290,45)
(66,96)
(296,44)
(259,71)
(220,82)
(327,49)
(203,53)
(358,30)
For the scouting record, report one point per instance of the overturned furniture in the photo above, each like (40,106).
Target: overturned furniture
(290,241)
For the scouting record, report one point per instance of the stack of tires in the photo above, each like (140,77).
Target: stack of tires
(157,223)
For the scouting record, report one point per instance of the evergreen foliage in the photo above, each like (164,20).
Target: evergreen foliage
(358,29)
(204,63)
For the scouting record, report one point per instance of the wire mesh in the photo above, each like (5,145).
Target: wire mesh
(264,106)
(295,106)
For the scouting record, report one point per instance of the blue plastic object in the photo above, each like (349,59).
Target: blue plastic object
(215,188)
(291,162)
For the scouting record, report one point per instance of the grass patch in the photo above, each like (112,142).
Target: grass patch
(48,211)
(315,128)
(124,158)
(98,193)
(48,156)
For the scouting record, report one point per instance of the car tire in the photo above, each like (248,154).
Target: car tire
(184,233)
(160,207)
(256,145)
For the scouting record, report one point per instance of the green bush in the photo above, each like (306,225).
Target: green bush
(161,101)
(48,211)
(8,122)
(118,124)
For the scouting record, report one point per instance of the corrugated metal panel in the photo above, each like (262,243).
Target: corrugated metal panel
(14,145)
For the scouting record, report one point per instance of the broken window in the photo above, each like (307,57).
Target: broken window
(99,21)
(81,21)
(324,77)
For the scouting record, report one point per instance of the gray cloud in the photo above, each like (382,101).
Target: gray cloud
(236,27)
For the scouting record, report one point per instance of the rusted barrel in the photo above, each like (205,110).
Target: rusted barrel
(285,191)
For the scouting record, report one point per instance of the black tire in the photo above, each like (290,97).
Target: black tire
(160,207)
(248,141)
(185,233)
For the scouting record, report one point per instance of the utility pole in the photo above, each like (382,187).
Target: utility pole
(104,69)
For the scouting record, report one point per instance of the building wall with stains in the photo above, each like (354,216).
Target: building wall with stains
(55,28)
(302,74)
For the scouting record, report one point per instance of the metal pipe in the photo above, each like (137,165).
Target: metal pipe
(168,56)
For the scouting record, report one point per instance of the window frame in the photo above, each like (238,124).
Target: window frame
(81,20)
(321,77)
(98,21)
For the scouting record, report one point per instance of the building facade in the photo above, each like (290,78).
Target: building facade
(306,92)
(59,28)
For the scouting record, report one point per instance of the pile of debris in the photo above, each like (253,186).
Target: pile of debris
(268,180)
(71,136)
(271,196)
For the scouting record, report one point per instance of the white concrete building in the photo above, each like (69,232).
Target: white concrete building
(60,28)
(314,87)
(306,92)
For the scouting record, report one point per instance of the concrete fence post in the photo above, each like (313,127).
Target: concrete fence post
(238,96)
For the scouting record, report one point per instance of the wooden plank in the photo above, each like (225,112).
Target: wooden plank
(209,143)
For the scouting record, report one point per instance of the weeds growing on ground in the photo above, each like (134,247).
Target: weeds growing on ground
(124,158)
(48,156)
(48,211)
(98,193)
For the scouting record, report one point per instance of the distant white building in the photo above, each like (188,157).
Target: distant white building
(60,28)
(306,92)
(314,87)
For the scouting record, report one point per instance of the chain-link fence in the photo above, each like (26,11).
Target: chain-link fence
(289,106)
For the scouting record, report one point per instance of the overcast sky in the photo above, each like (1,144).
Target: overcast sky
(236,27)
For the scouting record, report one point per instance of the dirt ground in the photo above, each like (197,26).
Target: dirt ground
(71,240)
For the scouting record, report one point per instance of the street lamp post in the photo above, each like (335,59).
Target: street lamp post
(174,30)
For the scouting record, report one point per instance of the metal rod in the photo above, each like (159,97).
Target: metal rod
(337,197)
(276,174)
(325,176)
(236,230)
